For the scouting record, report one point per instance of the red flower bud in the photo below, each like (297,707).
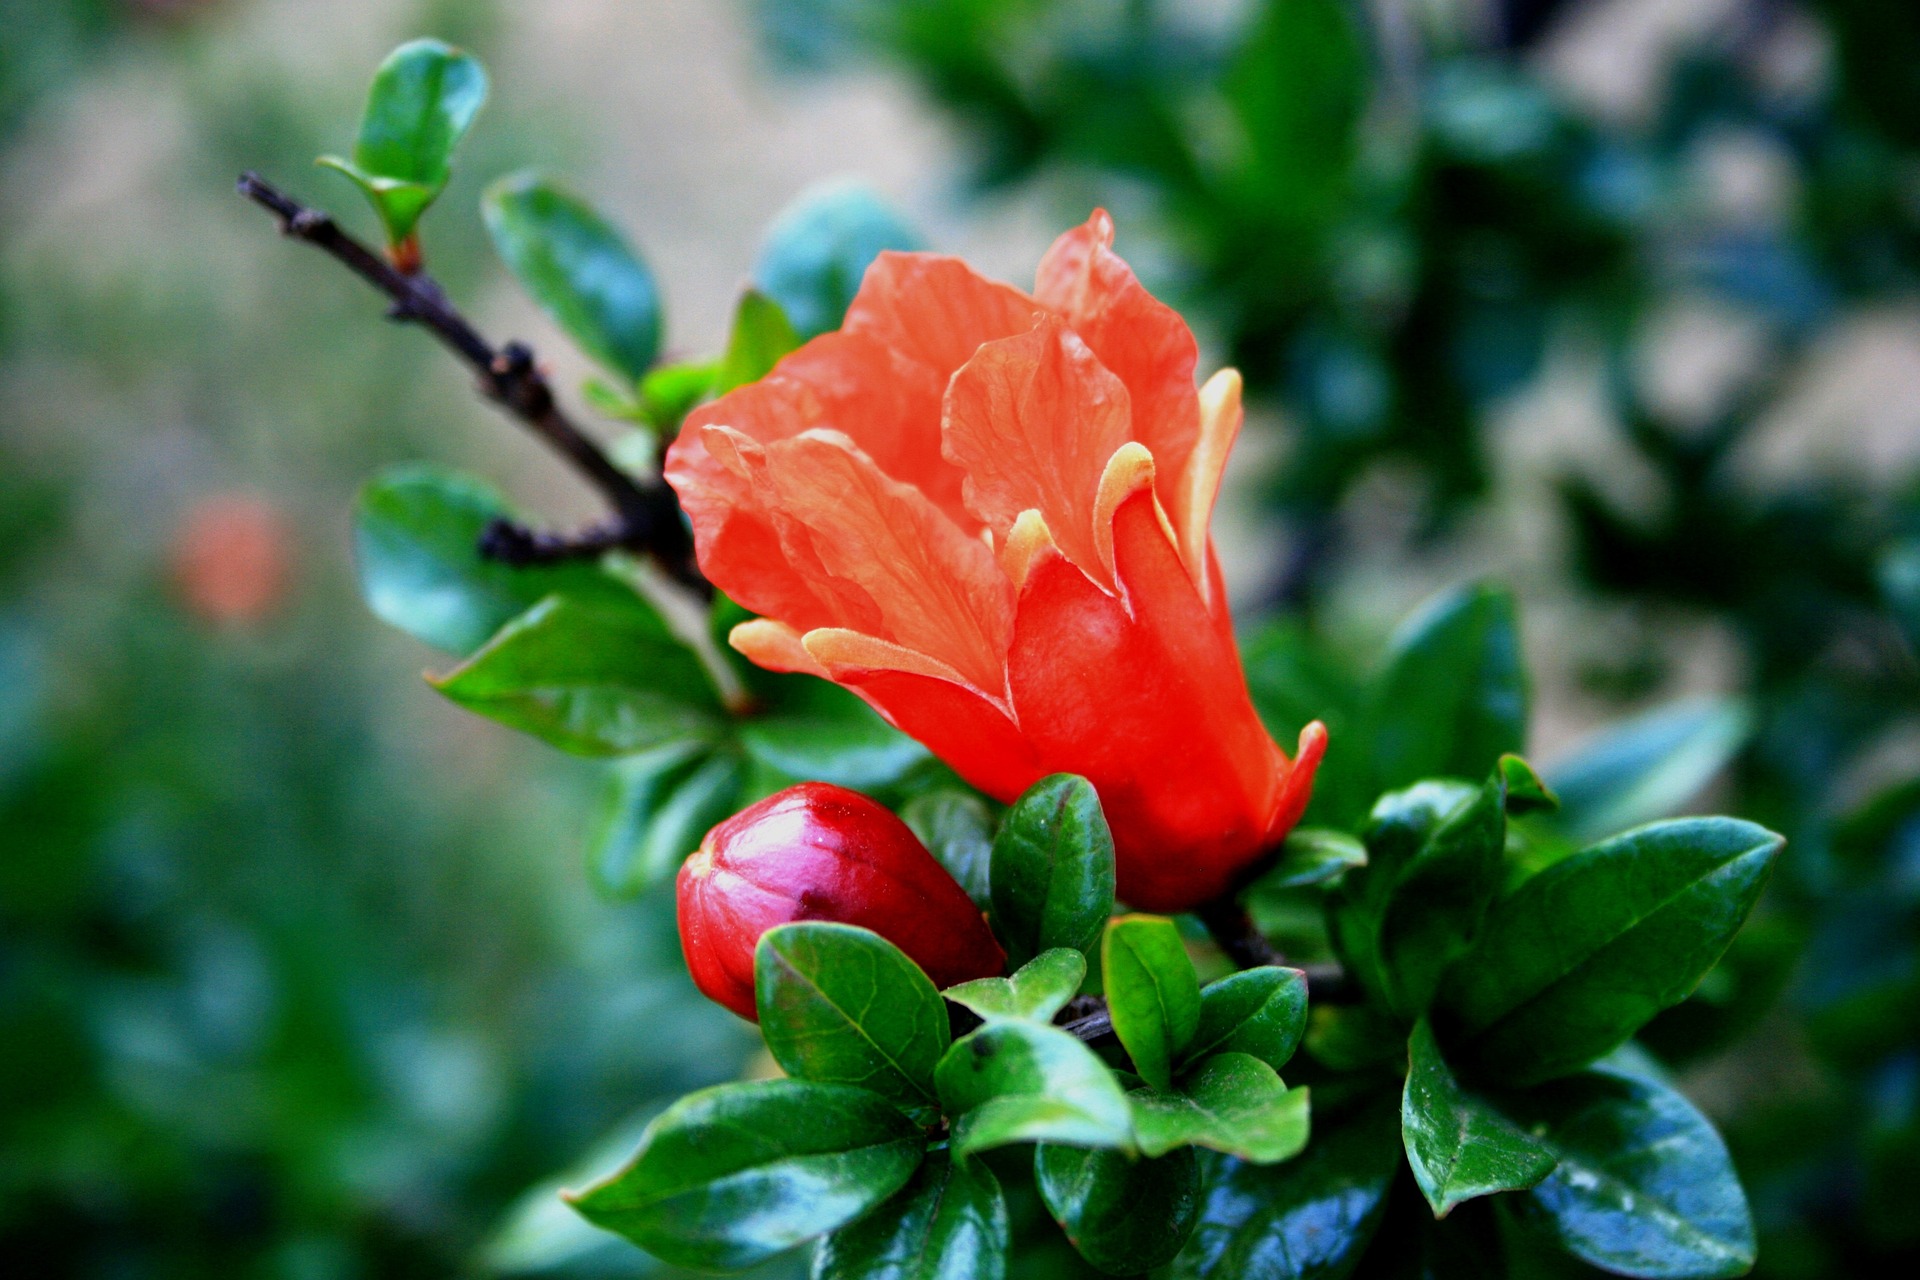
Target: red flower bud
(820,852)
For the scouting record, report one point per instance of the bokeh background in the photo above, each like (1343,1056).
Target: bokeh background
(300,973)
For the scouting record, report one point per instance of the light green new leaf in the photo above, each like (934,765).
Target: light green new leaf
(949,1223)
(842,1005)
(1259,1011)
(594,679)
(1124,1215)
(1460,1145)
(1232,1103)
(761,334)
(1039,990)
(1052,869)
(1016,1081)
(1153,994)
(580,270)
(1577,958)
(1643,1184)
(423,98)
(729,1176)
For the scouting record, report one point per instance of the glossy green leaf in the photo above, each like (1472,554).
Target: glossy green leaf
(761,334)
(1232,1103)
(949,1223)
(1578,957)
(1527,792)
(416,530)
(1397,829)
(579,268)
(1259,1011)
(1018,1081)
(1649,766)
(1039,990)
(1460,1145)
(423,99)
(657,807)
(849,747)
(819,248)
(1643,1184)
(1310,1218)
(1052,869)
(1452,698)
(594,679)
(731,1175)
(1152,992)
(842,1005)
(1123,1214)
(1441,895)
(957,828)
(1313,855)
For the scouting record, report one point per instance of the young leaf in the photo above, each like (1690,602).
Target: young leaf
(589,678)
(1453,697)
(1309,1218)
(957,828)
(1232,1103)
(1258,1011)
(1460,1145)
(842,1005)
(949,1223)
(1441,896)
(1152,993)
(1313,855)
(818,249)
(423,98)
(657,807)
(1123,1215)
(1052,869)
(1643,1185)
(761,334)
(579,269)
(1578,957)
(1647,767)
(1526,792)
(1039,990)
(1021,1082)
(416,532)
(732,1175)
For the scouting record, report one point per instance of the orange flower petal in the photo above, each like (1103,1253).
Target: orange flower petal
(1032,420)
(1140,338)
(774,646)
(936,311)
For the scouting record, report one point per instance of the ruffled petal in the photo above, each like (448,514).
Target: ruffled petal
(1140,338)
(936,311)
(1032,421)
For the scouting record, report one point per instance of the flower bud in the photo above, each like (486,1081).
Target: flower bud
(820,852)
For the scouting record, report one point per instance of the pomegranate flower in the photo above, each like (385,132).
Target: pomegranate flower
(986,512)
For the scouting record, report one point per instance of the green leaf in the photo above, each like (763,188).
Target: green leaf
(1898,574)
(850,747)
(818,249)
(1649,766)
(1298,86)
(1259,1011)
(1459,1144)
(957,828)
(1526,792)
(760,335)
(1232,1103)
(949,1223)
(417,530)
(1643,1185)
(1354,1037)
(732,1175)
(423,98)
(1022,1082)
(1307,1219)
(1124,1215)
(1578,957)
(1441,895)
(1398,827)
(670,392)
(657,807)
(593,679)
(1453,696)
(1039,990)
(842,1005)
(1310,856)
(579,269)
(1152,993)
(1294,679)
(1052,869)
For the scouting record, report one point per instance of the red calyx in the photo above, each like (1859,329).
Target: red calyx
(820,852)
